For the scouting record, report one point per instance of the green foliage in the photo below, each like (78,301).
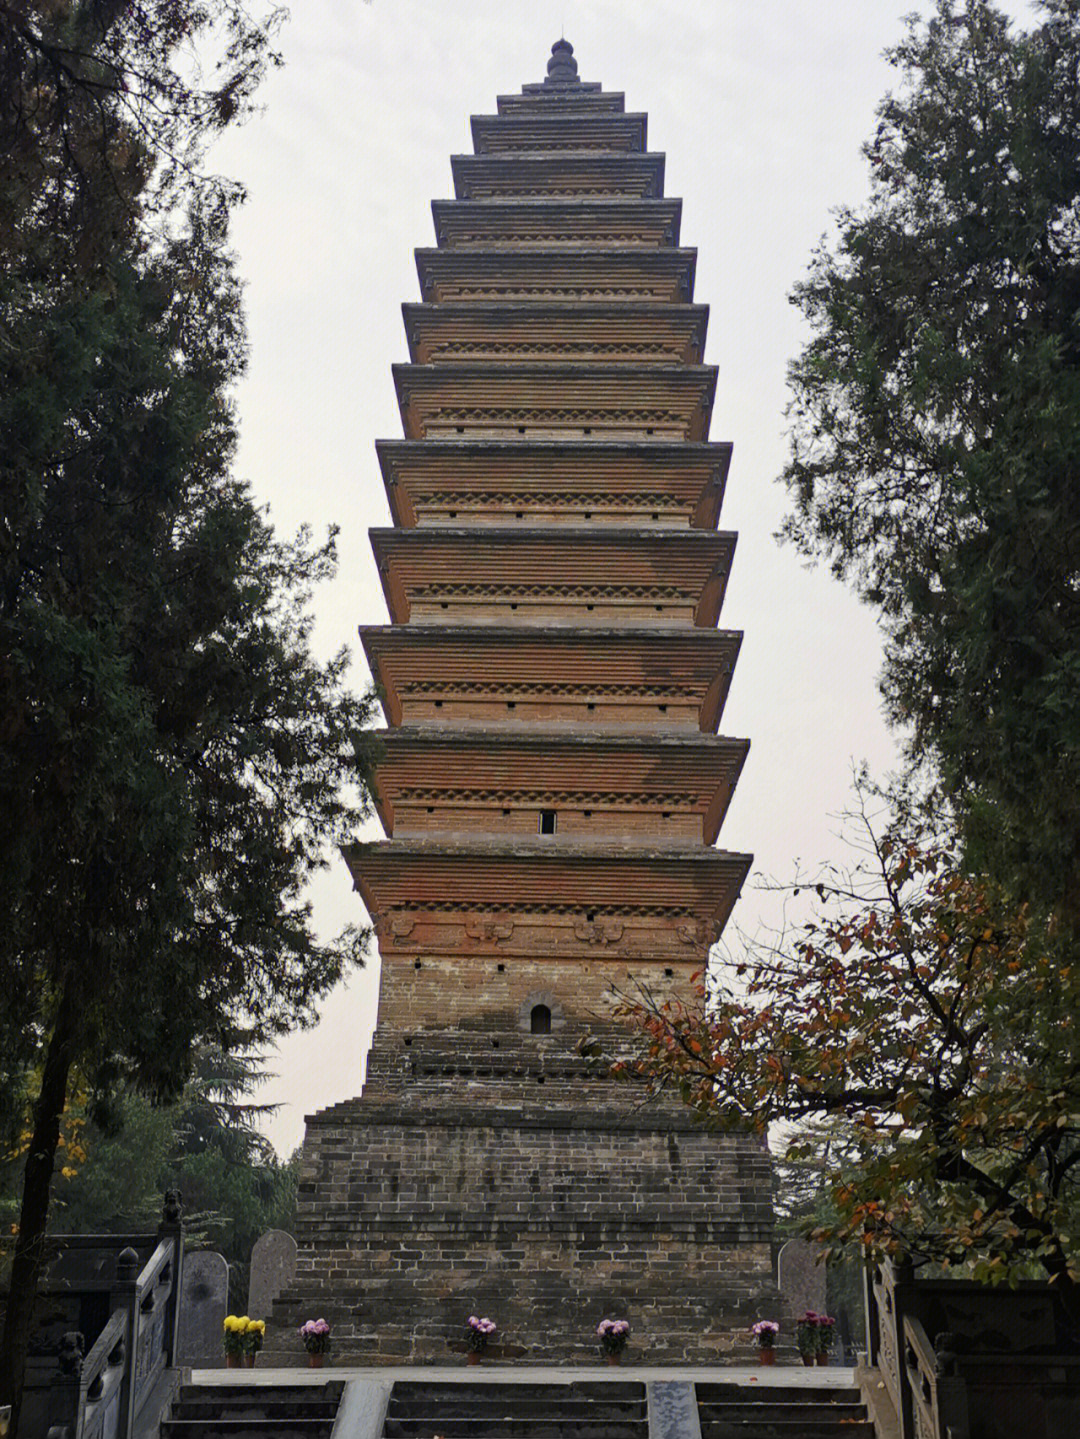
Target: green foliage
(208,1146)
(936,425)
(936,1027)
(174,761)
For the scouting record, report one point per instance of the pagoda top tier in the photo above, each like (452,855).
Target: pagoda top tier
(562,85)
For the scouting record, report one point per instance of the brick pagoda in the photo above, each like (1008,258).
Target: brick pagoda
(552,782)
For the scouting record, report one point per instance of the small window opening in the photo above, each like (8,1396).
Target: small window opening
(662,709)
(520,514)
(590,706)
(540,1019)
(461,429)
(656,516)
(546,822)
(586,814)
(438,704)
(431,809)
(417,964)
(590,916)
(505,813)
(511,704)
(444,605)
(514,606)
(669,973)
(453,514)
(590,607)
(501,968)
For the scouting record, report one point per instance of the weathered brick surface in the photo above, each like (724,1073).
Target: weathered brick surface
(520,1183)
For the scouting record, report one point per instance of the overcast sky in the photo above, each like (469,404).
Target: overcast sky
(761,109)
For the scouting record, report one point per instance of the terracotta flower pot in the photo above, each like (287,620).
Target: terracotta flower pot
(615,1357)
(249,1361)
(807,1359)
(766,1356)
(316,1361)
(473,1356)
(232,1361)
(822,1356)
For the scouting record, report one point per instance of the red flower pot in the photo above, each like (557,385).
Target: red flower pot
(316,1361)
(822,1356)
(766,1356)
(473,1357)
(232,1361)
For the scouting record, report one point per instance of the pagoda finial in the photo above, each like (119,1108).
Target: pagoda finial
(562,67)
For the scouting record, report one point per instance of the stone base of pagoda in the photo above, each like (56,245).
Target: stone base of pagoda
(514,1184)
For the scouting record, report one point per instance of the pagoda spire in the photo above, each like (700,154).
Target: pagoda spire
(562,67)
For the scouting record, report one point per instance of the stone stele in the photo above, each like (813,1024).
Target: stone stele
(204,1302)
(801,1279)
(273,1264)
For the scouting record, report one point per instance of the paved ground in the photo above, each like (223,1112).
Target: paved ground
(795,1376)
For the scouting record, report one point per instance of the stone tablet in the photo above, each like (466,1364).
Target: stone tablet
(204,1303)
(801,1278)
(273,1264)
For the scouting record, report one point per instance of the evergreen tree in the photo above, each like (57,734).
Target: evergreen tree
(175,762)
(936,434)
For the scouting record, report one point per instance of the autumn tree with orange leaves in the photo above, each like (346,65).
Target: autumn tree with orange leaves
(939,1025)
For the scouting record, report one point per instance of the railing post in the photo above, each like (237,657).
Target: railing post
(125,1295)
(172,1228)
(871,1314)
(903,1279)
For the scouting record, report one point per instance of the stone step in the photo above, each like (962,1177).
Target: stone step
(787,1429)
(540,1424)
(253,1406)
(224,1394)
(229,1428)
(465,1408)
(599,1392)
(253,1411)
(776,1394)
(517,1411)
(759,1413)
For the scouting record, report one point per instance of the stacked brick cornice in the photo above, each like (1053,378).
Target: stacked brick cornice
(553,783)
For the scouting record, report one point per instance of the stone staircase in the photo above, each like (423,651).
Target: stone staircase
(734,1411)
(517,1411)
(235,1411)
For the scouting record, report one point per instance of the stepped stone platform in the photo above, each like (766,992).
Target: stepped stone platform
(590,1402)
(486,1171)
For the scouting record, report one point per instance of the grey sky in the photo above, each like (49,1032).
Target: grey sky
(761,109)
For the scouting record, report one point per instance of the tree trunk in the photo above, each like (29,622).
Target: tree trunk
(29,1255)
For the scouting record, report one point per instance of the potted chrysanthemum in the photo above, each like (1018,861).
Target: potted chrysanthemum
(315,1334)
(254,1335)
(477,1333)
(234,1330)
(765,1332)
(807,1336)
(613,1334)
